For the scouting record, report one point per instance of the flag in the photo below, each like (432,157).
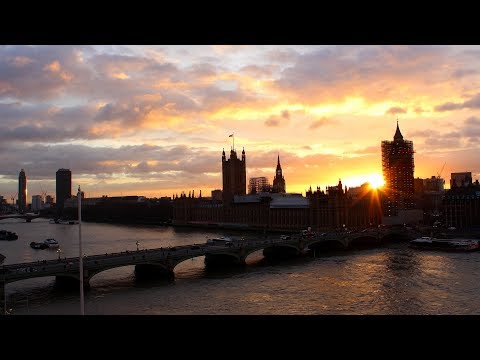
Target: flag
(230,135)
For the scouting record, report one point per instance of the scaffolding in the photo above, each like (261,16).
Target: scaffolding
(398,168)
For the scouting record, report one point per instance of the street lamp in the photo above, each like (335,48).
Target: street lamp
(59,251)
(80,257)
(137,244)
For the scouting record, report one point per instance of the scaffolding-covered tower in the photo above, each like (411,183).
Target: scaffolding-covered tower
(398,166)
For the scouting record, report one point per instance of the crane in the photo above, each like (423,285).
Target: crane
(44,192)
(440,172)
(12,197)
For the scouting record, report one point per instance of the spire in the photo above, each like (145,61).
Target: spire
(398,135)
(278,161)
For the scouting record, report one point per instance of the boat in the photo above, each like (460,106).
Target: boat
(37,245)
(8,235)
(51,243)
(456,245)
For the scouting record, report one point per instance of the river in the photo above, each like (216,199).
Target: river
(391,279)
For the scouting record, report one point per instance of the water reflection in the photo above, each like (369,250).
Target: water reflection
(387,280)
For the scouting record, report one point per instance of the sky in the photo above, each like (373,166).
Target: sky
(153,120)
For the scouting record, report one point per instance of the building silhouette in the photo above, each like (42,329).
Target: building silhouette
(258,184)
(279,180)
(398,167)
(460,179)
(63,188)
(22,192)
(37,202)
(234,176)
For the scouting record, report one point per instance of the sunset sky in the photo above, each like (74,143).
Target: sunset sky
(153,120)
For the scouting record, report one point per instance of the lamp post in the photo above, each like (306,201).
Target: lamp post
(80,254)
(59,251)
(137,244)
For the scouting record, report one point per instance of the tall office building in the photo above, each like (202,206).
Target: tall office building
(258,184)
(398,166)
(37,202)
(234,176)
(278,180)
(64,188)
(461,179)
(22,192)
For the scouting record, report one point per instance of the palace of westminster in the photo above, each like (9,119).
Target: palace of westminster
(403,199)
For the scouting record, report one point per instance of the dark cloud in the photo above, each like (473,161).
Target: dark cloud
(41,72)
(473,103)
(396,110)
(448,106)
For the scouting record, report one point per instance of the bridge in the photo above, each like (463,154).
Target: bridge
(28,217)
(162,261)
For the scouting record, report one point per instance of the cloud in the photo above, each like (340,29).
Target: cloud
(333,73)
(272,122)
(473,103)
(320,123)
(275,121)
(396,110)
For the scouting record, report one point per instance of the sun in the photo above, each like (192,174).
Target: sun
(376,181)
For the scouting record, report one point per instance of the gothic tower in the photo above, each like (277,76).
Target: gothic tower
(279,180)
(398,167)
(234,176)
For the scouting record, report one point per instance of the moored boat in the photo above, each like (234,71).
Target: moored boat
(37,245)
(457,245)
(51,243)
(8,235)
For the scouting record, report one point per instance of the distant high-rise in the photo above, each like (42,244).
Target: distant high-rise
(64,187)
(234,176)
(22,191)
(37,202)
(279,180)
(398,166)
(258,184)
(460,179)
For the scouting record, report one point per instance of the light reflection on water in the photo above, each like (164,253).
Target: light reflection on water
(389,280)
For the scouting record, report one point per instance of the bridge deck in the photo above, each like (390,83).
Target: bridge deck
(100,262)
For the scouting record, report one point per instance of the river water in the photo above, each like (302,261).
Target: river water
(392,279)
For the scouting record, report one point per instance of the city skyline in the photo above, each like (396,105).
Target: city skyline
(153,120)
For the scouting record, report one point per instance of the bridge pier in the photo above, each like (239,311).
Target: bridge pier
(224,260)
(152,271)
(2,298)
(280,252)
(70,282)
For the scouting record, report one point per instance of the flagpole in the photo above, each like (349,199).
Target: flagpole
(80,257)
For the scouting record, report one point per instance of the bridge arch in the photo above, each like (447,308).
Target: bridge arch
(327,244)
(364,240)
